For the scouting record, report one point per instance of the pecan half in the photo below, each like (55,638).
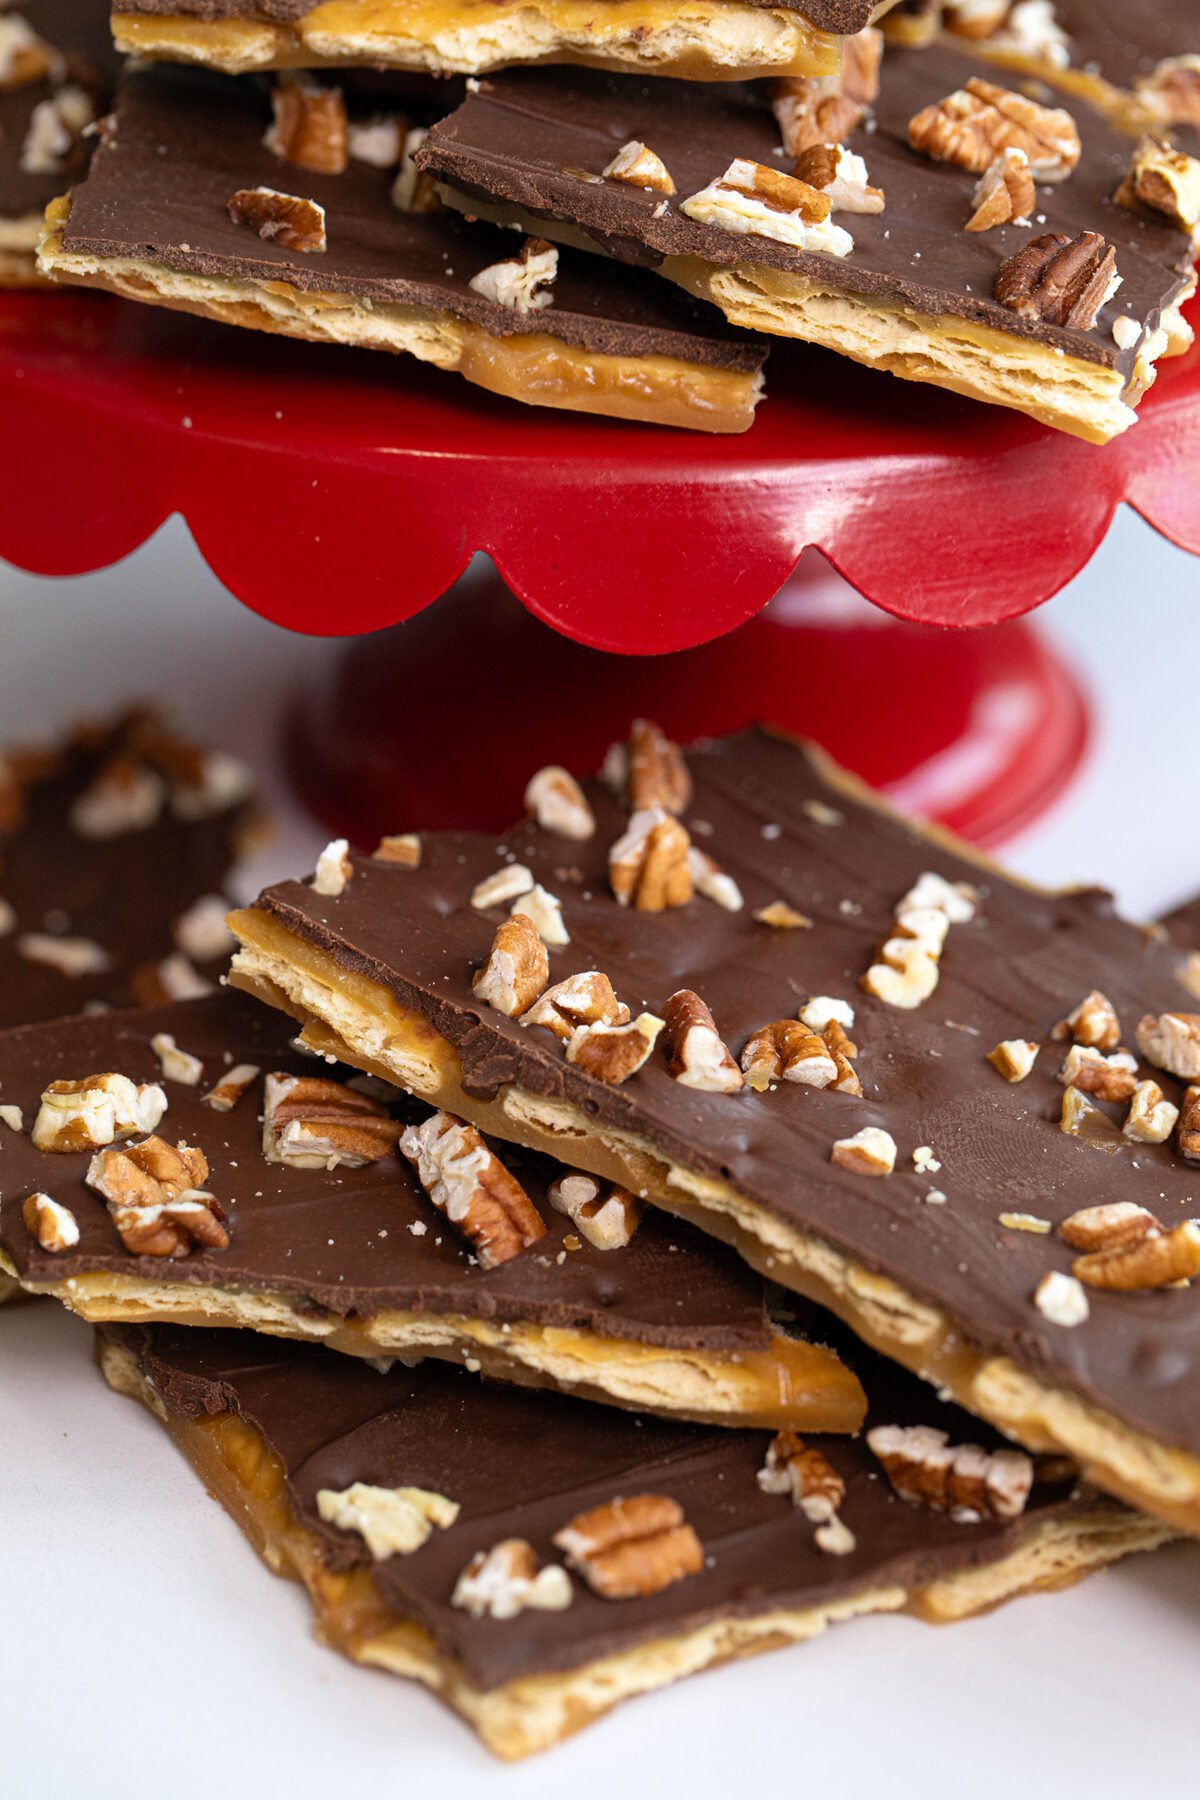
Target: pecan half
(696,1053)
(1157,1260)
(53,1225)
(1004,192)
(87,1114)
(638,166)
(963,1479)
(972,126)
(584,999)
(648,865)
(310,1123)
(648,771)
(1094,1023)
(309,126)
(786,1050)
(1108,1227)
(1171,1041)
(632,1548)
(1063,280)
(517,968)
(286,219)
(1165,180)
(607,1216)
(559,804)
(501,1582)
(467,1182)
(613,1053)
(156,1201)
(812,1482)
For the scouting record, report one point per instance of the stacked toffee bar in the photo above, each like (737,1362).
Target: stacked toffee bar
(457,1298)
(997,197)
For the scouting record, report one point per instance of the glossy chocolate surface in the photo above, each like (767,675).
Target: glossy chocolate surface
(187,140)
(347,1241)
(1025,962)
(524,138)
(521,1464)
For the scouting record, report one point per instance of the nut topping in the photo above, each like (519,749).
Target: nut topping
(404,850)
(1063,280)
(826,108)
(559,804)
(24,56)
(522,283)
(1165,180)
(869,1152)
(507,883)
(696,1053)
(1156,1260)
(1014,1058)
(975,18)
(467,1182)
(124,796)
(586,999)
(310,1123)
(812,1482)
(309,127)
(415,190)
(545,912)
(836,171)
(637,165)
(1062,1299)
(1151,1117)
(606,1217)
(201,931)
(1189,1126)
(503,1581)
(710,879)
(613,1053)
(782,917)
(750,197)
(54,1226)
(648,865)
(334,869)
(786,1050)
(231,1088)
(391,1521)
(648,771)
(13,1117)
(907,972)
(1093,1023)
(85,1115)
(632,1548)
(1172,1042)
(155,1199)
(71,956)
(1032,30)
(962,1479)
(974,125)
(1112,1227)
(843,1053)
(176,1064)
(285,219)
(823,1010)
(1004,192)
(517,968)
(1172,91)
(1108,1077)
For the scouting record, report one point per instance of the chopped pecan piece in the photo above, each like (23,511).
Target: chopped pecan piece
(334,869)
(1172,1042)
(174,978)
(404,850)
(231,1088)
(466,1180)
(71,956)
(506,884)
(201,931)
(975,18)
(613,1053)
(415,190)
(1081,1119)
(632,1548)
(13,1117)
(812,1482)
(124,796)
(154,1196)
(637,165)
(786,1050)
(963,1479)
(378,142)
(1151,1116)
(87,1114)
(1014,1058)
(907,971)
(836,171)
(751,197)
(391,1521)
(1157,1260)
(521,283)
(1189,1125)
(710,879)
(1171,92)
(53,1225)
(648,865)
(309,127)
(1165,180)
(1094,1023)
(559,804)
(823,1010)
(1110,1227)
(696,1053)
(843,1052)
(1108,1077)
(869,1152)
(606,1216)
(1004,192)
(545,913)
(782,917)
(1063,280)
(176,1064)
(1032,30)
(517,968)
(648,771)
(24,56)
(824,109)
(585,999)
(310,1123)
(1062,1299)
(503,1581)
(972,126)
(286,219)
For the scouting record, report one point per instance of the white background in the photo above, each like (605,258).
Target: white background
(145,1653)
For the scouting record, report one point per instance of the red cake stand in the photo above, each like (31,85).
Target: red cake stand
(338,492)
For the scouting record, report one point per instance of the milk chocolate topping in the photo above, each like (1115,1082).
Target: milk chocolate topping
(124,892)
(522,1464)
(839,16)
(79,30)
(186,140)
(524,137)
(1025,962)
(343,1242)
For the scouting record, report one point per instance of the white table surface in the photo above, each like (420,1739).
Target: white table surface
(146,1654)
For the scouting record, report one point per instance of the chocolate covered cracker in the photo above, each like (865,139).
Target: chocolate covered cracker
(941,1069)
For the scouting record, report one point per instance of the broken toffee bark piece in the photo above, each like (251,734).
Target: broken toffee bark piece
(57,66)
(156,227)
(281,1435)
(914,294)
(705,40)
(115,845)
(332,1237)
(917,1261)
